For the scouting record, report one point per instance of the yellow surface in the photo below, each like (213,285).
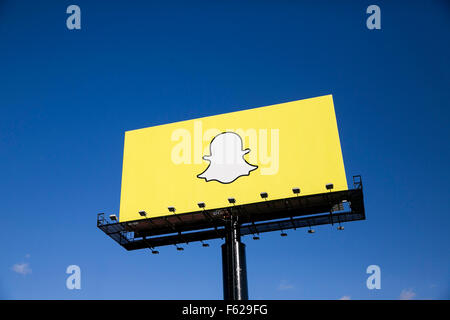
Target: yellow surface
(161,163)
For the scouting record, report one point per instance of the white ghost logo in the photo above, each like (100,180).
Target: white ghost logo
(227,161)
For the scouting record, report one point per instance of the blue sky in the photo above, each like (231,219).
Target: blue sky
(67,97)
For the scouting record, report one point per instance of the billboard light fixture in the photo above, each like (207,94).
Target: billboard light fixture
(142,213)
(296,191)
(264,195)
(340,227)
(256,237)
(283,234)
(311,231)
(329,186)
(201,205)
(232,200)
(171,209)
(113,217)
(180,248)
(204,244)
(155,252)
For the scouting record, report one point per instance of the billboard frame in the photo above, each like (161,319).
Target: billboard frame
(234,221)
(255,218)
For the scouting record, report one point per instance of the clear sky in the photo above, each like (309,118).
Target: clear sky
(67,97)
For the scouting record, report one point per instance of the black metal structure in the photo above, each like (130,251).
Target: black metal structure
(234,221)
(234,265)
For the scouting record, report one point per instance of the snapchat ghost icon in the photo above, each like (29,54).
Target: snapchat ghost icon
(226,159)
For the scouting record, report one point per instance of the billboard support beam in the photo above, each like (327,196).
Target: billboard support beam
(234,266)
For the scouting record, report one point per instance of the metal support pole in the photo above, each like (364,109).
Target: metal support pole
(233,263)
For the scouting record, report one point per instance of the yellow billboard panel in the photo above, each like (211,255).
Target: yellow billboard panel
(234,155)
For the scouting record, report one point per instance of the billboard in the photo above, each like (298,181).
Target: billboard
(236,155)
